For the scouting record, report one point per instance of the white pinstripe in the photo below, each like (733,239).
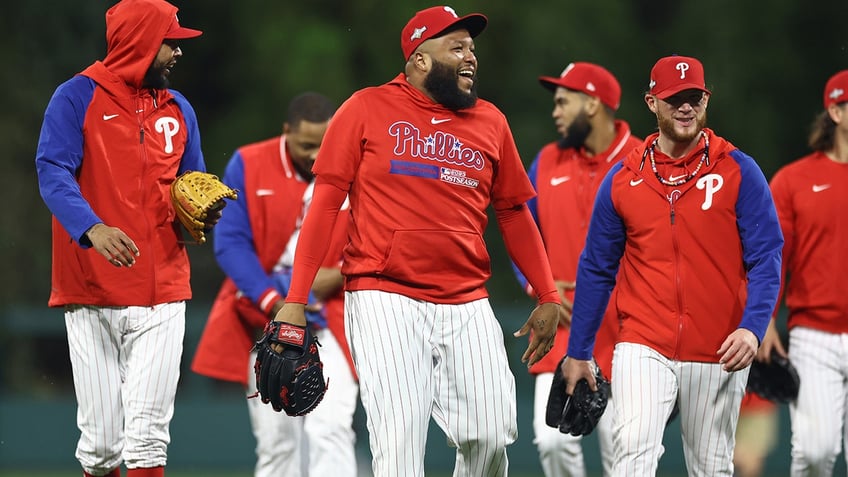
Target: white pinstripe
(818,415)
(645,385)
(126,364)
(416,360)
(561,455)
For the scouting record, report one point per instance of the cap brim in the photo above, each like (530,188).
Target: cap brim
(182,33)
(550,83)
(678,88)
(475,23)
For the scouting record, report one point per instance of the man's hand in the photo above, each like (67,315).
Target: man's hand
(563,286)
(573,370)
(293,314)
(113,244)
(738,350)
(771,341)
(543,324)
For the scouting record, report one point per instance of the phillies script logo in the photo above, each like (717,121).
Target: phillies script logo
(439,146)
(291,334)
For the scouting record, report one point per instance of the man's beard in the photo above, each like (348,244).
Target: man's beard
(666,126)
(442,85)
(155,77)
(576,133)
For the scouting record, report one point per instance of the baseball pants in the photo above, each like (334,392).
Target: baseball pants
(318,444)
(818,415)
(561,455)
(645,385)
(418,360)
(126,364)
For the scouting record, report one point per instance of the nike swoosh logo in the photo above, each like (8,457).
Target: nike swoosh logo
(555,181)
(676,178)
(262,192)
(635,182)
(107,117)
(819,188)
(433,120)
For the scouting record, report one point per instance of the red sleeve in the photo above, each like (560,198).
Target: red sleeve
(511,186)
(312,245)
(781,194)
(525,247)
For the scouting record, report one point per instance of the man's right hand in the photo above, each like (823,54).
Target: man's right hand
(573,370)
(113,244)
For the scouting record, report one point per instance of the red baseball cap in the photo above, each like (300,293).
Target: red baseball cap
(177,32)
(588,78)
(836,89)
(432,22)
(673,74)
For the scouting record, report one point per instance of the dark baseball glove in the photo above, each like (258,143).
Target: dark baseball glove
(579,413)
(293,379)
(777,381)
(197,198)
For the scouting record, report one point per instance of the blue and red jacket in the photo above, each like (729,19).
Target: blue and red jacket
(108,152)
(698,260)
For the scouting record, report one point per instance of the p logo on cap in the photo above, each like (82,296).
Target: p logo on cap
(434,21)
(673,74)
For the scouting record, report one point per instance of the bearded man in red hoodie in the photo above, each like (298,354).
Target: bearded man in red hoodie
(113,140)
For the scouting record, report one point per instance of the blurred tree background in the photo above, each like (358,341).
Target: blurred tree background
(766,65)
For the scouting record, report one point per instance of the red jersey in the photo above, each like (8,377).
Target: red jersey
(566,181)
(811,196)
(420,178)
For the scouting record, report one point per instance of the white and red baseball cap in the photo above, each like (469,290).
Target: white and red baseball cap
(588,78)
(673,74)
(432,22)
(836,89)
(177,32)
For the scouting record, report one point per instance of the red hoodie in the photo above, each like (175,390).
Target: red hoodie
(108,152)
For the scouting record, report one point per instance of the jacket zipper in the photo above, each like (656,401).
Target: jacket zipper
(677,279)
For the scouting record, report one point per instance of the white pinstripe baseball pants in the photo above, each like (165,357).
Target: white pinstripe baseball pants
(126,364)
(818,415)
(416,360)
(645,385)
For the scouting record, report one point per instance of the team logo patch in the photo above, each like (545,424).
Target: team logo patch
(416,169)
(454,176)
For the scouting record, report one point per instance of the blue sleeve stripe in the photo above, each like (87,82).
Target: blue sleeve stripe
(762,244)
(59,155)
(597,270)
(192,159)
(233,238)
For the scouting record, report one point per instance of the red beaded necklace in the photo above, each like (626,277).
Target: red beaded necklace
(705,158)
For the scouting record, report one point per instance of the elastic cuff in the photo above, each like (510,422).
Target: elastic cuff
(549,297)
(267,300)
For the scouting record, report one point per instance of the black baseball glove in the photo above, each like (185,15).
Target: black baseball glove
(777,381)
(293,379)
(579,413)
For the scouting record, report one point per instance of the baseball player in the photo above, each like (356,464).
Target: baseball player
(566,175)
(114,138)
(685,229)
(811,194)
(422,158)
(255,245)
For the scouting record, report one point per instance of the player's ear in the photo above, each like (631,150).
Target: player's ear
(421,60)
